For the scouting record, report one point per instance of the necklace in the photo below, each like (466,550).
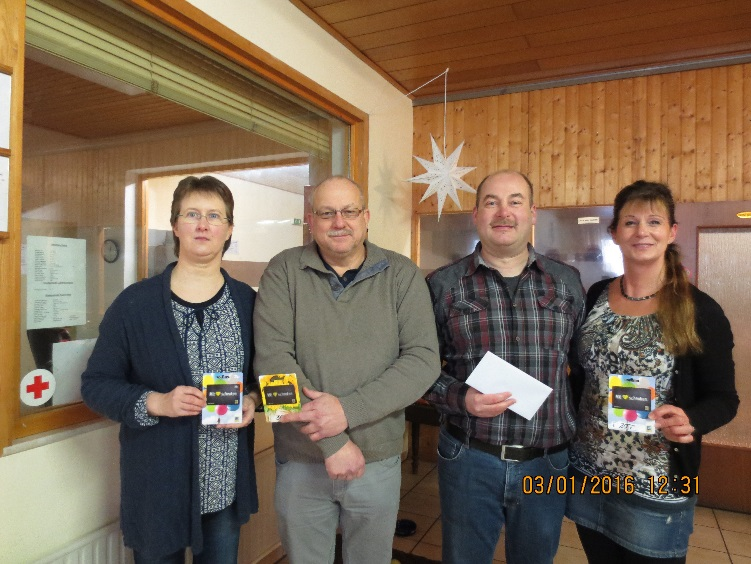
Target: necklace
(625,295)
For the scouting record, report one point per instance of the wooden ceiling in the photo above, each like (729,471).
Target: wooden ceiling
(67,103)
(497,46)
(490,46)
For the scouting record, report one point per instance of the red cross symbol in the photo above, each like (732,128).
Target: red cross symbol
(37,387)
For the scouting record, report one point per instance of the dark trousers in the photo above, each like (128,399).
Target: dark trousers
(221,539)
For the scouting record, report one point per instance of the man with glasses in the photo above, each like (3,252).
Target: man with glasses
(354,323)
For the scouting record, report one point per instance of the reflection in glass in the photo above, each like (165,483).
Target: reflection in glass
(101,160)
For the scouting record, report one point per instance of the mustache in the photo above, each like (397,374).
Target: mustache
(338,232)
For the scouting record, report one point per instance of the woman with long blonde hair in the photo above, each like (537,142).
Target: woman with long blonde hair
(654,369)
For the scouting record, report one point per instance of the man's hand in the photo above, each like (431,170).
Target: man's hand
(347,463)
(324,416)
(674,423)
(183,401)
(249,411)
(487,405)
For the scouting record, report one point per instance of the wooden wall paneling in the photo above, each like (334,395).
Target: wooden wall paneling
(672,127)
(597,194)
(718,188)
(558,194)
(508,134)
(455,128)
(612,137)
(462,125)
(626,154)
(496,142)
(546,181)
(518,145)
(570,136)
(581,144)
(687,181)
(534,139)
(703,132)
(639,129)
(477,123)
(89,184)
(735,134)
(582,139)
(429,122)
(653,150)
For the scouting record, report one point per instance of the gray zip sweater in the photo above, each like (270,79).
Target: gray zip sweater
(372,344)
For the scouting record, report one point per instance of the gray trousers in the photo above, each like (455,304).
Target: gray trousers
(310,506)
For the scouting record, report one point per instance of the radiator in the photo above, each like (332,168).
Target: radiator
(104,546)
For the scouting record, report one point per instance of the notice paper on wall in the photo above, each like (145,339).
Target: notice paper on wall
(55,282)
(69,360)
(5,92)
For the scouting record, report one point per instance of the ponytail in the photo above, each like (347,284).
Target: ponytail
(676,310)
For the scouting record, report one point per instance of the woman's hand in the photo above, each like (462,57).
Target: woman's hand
(250,401)
(183,401)
(674,423)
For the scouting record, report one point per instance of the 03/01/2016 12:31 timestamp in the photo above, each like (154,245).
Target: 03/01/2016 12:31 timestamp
(605,485)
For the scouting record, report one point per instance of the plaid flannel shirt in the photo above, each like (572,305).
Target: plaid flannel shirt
(532,330)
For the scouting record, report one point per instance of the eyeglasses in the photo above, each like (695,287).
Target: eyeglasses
(347,213)
(213,218)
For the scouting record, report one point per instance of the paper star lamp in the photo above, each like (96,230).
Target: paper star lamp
(443,176)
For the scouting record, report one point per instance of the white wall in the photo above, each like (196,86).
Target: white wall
(283,31)
(53,494)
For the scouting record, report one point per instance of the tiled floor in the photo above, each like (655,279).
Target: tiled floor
(719,536)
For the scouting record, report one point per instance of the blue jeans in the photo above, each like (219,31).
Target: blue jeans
(310,506)
(481,493)
(221,540)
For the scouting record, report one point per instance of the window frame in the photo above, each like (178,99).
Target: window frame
(196,25)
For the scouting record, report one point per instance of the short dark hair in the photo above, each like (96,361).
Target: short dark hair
(505,171)
(204,185)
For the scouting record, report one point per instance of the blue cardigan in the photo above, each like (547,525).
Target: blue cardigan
(140,349)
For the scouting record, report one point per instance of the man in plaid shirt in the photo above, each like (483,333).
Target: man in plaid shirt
(525,308)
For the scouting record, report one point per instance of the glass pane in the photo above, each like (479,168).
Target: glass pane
(101,160)
(269,210)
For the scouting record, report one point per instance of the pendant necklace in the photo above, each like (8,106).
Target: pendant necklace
(625,295)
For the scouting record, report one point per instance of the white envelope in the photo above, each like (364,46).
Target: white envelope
(494,375)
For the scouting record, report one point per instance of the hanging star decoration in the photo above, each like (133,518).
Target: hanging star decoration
(443,176)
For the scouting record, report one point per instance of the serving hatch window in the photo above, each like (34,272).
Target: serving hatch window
(117,109)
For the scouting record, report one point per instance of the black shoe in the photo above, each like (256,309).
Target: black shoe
(405,527)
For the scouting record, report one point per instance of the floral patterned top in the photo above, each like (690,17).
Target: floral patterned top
(610,343)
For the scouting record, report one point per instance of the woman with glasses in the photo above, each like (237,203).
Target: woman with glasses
(654,360)
(183,484)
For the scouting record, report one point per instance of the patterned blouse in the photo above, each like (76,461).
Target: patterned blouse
(211,334)
(610,343)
